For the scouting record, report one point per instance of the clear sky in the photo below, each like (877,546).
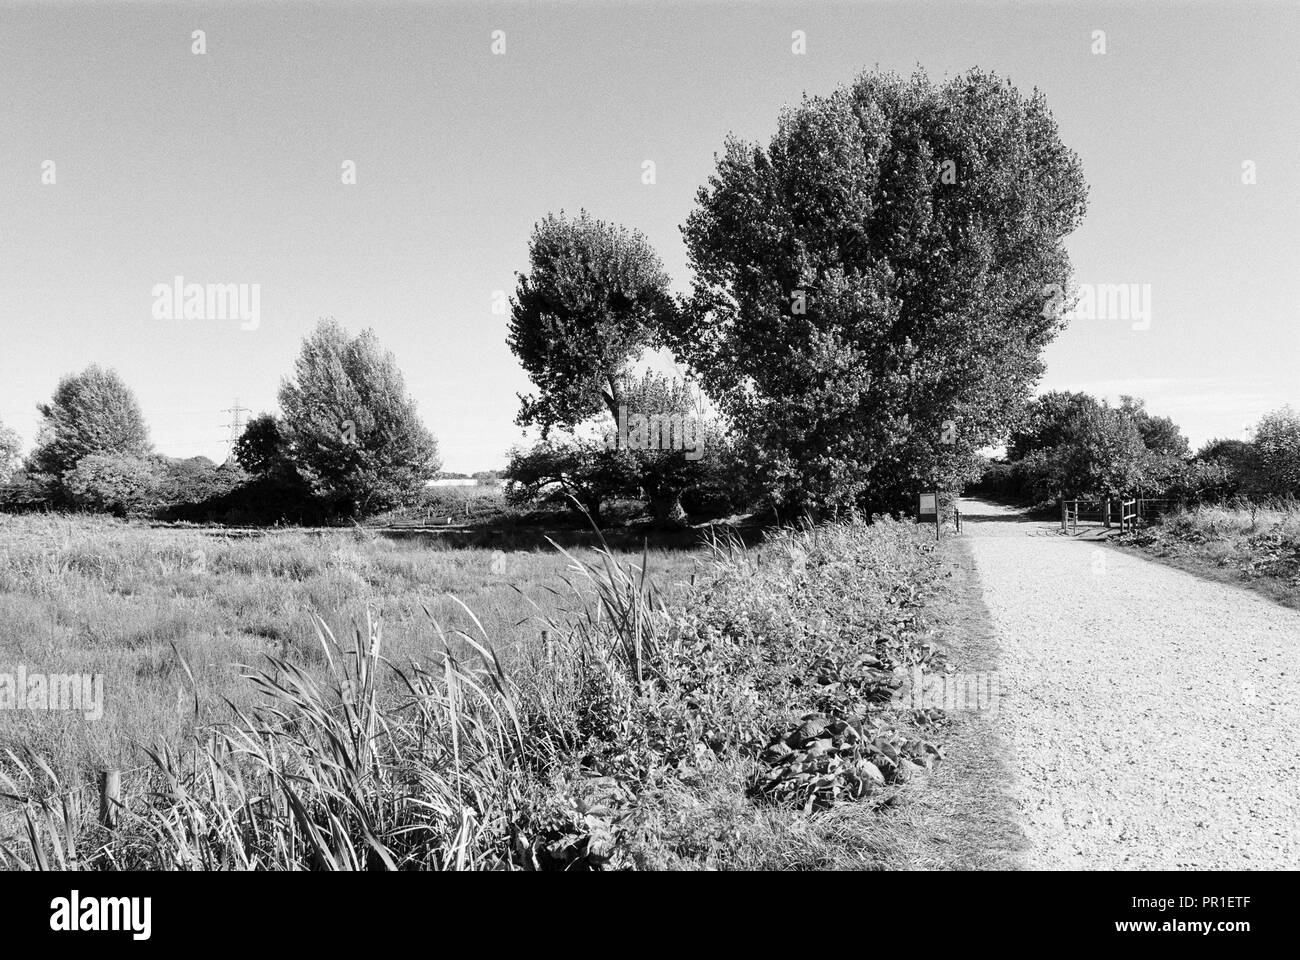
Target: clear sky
(226,167)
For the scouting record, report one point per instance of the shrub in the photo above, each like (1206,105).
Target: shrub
(261,501)
(26,492)
(120,484)
(194,480)
(998,480)
(566,470)
(10,453)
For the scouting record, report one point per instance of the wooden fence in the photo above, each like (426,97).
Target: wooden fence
(1130,512)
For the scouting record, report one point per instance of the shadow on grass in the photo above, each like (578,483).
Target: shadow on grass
(539,538)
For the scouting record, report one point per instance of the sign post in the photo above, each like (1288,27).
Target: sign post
(927,504)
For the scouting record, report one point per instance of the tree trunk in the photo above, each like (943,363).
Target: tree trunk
(612,403)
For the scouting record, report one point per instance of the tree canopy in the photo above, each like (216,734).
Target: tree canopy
(262,449)
(877,270)
(92,412)
(350,426)
(591,302)
(1277,454)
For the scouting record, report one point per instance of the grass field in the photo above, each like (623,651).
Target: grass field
(97,596)
(737,713)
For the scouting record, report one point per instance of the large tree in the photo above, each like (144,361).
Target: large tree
(92,412)
(591,302)
(879,268)
(349,425)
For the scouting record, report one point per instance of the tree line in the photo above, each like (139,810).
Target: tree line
(1073,445)
(347,443)
(866,307)
(865,313)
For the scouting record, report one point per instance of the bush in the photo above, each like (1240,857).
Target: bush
(116,483)
(194,481)
(27,492)
(561,470)
(10,453)
(998,481)
(261,501)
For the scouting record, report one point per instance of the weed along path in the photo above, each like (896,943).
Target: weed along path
(1152,716)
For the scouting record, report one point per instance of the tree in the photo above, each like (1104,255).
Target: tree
(591,302)
(879,269)
(1277,454)
(1077,446)
(91,412)
(564,469)
(662,434)
(1102,454)
(262,449)
(350,427)
(1046,421)
(1160,435)
(11,447)
(1230,451)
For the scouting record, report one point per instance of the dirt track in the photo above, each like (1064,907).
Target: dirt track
(1154,717)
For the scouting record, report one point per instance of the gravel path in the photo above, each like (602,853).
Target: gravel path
(1153,717)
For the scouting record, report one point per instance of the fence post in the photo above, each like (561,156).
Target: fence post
(110,797)
(1064,527)
(1105,513)
(550,648)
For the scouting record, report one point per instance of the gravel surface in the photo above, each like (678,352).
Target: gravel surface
(1154,717)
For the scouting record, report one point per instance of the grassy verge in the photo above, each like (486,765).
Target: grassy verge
(965,818)
(1252,545)
(746,722)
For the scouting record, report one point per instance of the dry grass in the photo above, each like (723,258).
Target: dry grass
(90,595)
(639,740)
(1251,544)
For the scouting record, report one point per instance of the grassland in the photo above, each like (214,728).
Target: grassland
(98,596)
(731,709)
